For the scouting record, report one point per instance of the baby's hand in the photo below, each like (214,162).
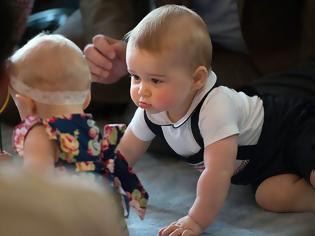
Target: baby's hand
(185,226)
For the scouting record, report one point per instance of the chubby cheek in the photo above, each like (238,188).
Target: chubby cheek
(164,101)
(134,95)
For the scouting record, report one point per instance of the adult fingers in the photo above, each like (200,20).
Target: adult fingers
(110,47)
(103,44)
(98,73)
(96,57)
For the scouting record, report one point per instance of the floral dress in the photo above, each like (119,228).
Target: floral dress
(82,148)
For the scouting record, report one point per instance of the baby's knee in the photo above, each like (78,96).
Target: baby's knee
(263,200)
(268,197)
(278,193)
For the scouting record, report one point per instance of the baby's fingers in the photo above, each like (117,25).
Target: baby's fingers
(165,231)
(188,232)
(177,232)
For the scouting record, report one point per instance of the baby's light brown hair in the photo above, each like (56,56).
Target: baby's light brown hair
(176,29)
(51,63)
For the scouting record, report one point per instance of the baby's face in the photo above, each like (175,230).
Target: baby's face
(159,82)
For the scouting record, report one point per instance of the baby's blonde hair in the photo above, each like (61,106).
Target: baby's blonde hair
(51,63)
(176,29)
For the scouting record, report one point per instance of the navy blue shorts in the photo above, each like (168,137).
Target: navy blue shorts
(286,144)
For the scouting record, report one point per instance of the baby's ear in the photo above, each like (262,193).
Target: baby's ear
(200,76)
(25,105)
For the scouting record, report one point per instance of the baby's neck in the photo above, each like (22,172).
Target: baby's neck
(46,111)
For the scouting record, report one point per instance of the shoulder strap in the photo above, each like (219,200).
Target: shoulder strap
(156,129)
(195,118)
(195,123)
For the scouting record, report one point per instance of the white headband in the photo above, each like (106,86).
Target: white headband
(48,97)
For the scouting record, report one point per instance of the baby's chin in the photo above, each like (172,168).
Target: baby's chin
(152,111)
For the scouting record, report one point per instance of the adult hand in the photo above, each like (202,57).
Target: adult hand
(106,58)
(185,226)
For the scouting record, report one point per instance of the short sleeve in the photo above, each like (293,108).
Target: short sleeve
(218,118)
(139,126)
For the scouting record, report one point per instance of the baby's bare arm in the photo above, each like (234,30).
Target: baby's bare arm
(214,182)
(39,152)
(131,147)
(212,189)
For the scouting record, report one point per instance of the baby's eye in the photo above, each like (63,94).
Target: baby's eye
(134,77)
(156,81)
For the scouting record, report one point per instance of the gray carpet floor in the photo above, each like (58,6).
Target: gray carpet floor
(171,185)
